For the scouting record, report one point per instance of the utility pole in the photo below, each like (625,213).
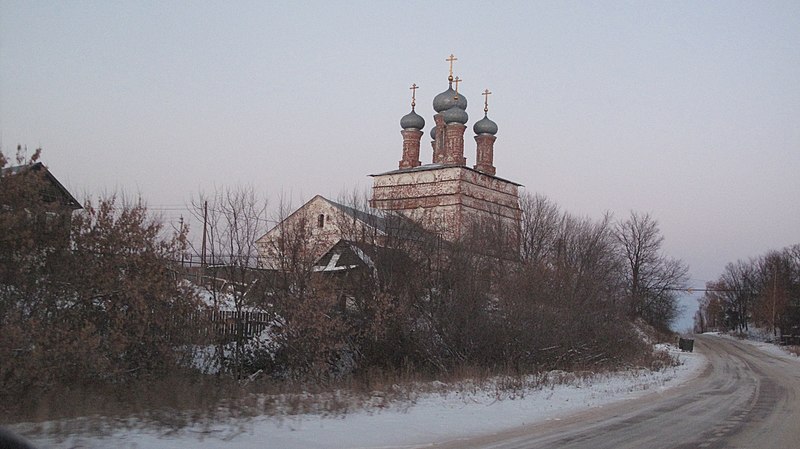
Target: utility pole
(774,288)
(203,248)
(183,253)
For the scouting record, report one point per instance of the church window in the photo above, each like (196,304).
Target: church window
(321,220)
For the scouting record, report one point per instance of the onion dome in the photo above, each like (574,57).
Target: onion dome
(455,115)
(412,120)
(433,133)
(449,99)
(485,126)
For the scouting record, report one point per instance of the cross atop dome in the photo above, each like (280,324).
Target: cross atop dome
(450,60)
(485,94)
(447,134)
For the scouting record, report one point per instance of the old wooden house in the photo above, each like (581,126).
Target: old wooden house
(35,196)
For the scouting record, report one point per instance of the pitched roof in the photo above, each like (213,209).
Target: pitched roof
(66,198)
(344,255)
(348,255)
(386,222)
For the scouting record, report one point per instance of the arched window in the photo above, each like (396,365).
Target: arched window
(321,220)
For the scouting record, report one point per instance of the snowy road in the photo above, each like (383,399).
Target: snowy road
(745,398)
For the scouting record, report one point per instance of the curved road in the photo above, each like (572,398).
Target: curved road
(745,398)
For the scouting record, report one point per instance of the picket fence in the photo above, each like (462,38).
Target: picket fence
(228,324)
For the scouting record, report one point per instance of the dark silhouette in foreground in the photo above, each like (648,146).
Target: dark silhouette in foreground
(10,441)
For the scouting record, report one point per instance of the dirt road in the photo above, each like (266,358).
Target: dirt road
(745,398)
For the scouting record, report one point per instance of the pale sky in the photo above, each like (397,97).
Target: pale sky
(687,110)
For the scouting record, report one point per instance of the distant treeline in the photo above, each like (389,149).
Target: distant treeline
(762,292)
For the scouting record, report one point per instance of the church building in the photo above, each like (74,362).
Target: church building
(446,196)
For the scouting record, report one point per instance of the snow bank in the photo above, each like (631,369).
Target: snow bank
(433,417)
(770,348)
(773,349)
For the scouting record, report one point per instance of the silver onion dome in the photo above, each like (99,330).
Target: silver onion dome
(449,99)
(412,120)
(485,126)
(455,115)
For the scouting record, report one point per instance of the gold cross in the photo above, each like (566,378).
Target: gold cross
(450,60)
(413,88)
(486,94)
(457,80)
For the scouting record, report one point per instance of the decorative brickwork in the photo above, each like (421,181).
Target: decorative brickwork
(485,154)
(411,141)
(448,199)
(454,144)
(438,141)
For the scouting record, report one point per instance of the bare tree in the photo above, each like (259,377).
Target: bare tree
(739,284)
(311,335)
(712,309)
(540,222)
(774,271)
(651,277)
(790,323)
(233,219)
(562,305)
(763,291)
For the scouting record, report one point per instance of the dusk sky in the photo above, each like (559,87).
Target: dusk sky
(687,110)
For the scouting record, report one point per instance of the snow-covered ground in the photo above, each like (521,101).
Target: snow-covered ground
(773,349)
(431,417)
(757,340)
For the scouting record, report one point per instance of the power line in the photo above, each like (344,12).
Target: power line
(706,289)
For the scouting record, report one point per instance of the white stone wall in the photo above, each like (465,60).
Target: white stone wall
(276,244)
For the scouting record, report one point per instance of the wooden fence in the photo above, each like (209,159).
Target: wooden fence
(226,325)
(788,340)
